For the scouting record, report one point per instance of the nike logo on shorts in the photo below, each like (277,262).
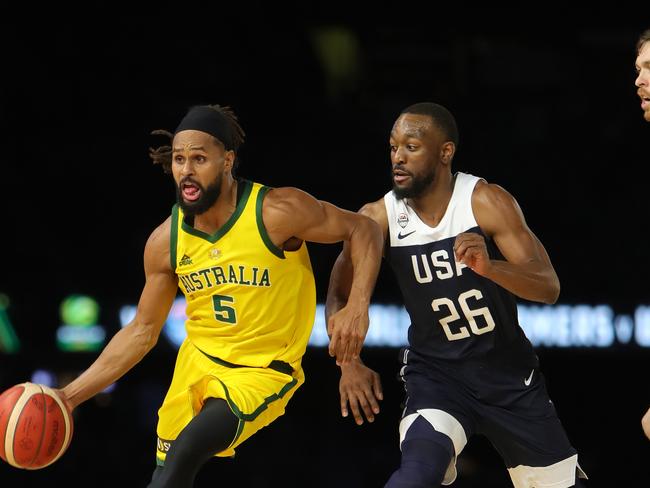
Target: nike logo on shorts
(529,379)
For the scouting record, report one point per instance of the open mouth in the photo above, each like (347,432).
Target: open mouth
(400,176)
(645,101)
(190,191)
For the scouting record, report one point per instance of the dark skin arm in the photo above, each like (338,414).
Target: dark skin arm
(133,342)
(290,214)
(527,270)
(359,387)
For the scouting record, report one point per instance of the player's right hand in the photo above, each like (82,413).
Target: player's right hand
(347,329)
(360,388)
(64,398)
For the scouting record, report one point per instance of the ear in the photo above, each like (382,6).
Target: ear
(228,160)
(447,151)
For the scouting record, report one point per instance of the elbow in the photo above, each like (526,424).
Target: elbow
(553,292)
(145,337)
(149,342)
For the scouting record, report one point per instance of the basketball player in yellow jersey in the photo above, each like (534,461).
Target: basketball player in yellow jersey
(237,251)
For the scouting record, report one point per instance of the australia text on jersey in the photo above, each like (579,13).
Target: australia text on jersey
(219,275)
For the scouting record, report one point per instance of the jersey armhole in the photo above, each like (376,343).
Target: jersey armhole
(260,224)
(471,199)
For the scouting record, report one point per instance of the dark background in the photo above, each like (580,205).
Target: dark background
(546,106)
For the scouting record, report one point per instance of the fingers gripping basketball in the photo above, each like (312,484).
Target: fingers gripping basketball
(35,426)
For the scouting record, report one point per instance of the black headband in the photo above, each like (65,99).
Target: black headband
(210,121)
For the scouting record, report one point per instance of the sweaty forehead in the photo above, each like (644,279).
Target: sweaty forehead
(413,125)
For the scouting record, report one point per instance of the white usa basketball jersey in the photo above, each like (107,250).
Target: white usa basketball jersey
(455,313)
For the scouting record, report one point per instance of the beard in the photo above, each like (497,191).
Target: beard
(208,197)
(419,185)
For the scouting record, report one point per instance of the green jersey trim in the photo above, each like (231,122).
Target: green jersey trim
(245,193)
(260,224)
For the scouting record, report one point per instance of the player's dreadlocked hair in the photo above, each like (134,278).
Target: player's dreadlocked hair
(163,154)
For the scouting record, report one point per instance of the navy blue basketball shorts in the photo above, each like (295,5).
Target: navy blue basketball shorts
(507,404)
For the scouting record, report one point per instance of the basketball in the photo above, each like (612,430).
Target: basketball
(35,426)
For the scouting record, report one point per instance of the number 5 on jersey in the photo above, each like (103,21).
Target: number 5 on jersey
(224,312)
(470,315)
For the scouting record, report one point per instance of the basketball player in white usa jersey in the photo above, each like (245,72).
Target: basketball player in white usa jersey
(462,253)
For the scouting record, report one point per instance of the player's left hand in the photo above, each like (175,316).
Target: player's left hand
(470,249)
(347,329)
(360,388)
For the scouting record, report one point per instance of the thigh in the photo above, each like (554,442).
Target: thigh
(440,400)
(430,389)
(178,407)
(257,396)
(526,428)
(530,437)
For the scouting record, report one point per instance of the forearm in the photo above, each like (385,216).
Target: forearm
(365,255)
(340,282)
(333,304)
(123,351)
(534,282)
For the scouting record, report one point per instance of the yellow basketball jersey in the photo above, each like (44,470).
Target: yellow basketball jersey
(248,302)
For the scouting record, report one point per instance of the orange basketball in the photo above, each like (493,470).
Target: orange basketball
(35,426)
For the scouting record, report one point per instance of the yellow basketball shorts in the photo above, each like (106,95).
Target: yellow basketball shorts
(257,396)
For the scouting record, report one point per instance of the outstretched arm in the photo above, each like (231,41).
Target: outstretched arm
(527,270)
(133,342)
(339,292)
(291,213)
(359,386)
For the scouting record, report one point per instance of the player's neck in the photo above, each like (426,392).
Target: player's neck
(213,219)
(432,204)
